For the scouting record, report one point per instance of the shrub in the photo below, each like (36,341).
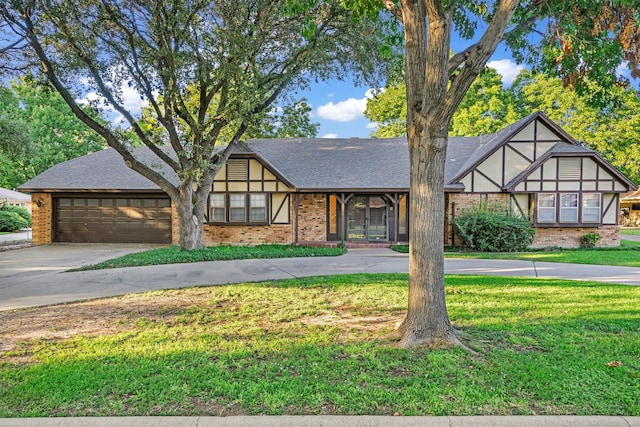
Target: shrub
(493,228)
(11,221)
(589,240)
(23,212)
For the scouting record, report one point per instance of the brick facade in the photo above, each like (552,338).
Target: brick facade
(571,237)
(42,218)
(215,234)
(312,226)
(312,218)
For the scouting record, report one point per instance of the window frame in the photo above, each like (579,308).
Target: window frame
(598,196)
(240,201)
(213,208)
(263,208)
(547,208)
(561,208)
(574,198)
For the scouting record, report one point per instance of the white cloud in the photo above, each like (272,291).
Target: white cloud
(373,126)
(623,70)
(508,69)
(330,135)
(345,111)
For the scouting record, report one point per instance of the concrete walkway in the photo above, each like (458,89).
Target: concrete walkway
(37,275)
(18,236)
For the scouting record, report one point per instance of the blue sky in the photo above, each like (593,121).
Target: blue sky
(339,105)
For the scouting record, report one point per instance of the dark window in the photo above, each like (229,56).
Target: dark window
(238,208)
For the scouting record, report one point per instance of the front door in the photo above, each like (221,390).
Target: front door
(367,218)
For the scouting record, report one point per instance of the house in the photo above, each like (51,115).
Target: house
(630,209)
(326,191)
(15,198)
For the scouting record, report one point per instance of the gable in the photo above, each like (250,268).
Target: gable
(246,174)
(511,154)
(570,173)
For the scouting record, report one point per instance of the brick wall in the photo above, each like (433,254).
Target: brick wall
(42,219)
(247,234)
(571,237)
(312,218)
(175,225)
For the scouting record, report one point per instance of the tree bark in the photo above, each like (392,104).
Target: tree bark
(427,50)
(190,223)
(427,321)
(431,104)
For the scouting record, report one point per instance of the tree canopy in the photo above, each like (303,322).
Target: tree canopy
(39,130)
(234,58)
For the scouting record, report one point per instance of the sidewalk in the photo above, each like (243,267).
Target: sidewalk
(327,421)
(36,276)
(18,236)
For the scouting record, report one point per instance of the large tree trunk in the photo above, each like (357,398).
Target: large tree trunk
(427,321)
(430,107)
(190,219)
(426,78)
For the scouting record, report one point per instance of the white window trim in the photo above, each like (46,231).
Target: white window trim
(247,208)
(547,208)
(574,209)
(598,208)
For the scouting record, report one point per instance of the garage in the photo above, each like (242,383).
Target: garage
(109,219)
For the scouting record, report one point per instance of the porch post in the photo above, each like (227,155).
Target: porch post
(396,217)
(296,219)
(342,228)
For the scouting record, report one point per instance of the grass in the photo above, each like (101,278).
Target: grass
(175,255)
(632,231)
(319,346)
(627,255)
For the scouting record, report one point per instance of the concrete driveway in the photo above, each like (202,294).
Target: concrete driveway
(37,275)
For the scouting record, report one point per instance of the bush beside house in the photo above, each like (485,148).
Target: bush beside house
(14,218)
(493,228)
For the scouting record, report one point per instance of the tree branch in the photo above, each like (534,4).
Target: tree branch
(478,56)
(393,9)
(109,137)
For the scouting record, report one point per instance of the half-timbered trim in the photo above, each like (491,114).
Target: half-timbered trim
(246,192)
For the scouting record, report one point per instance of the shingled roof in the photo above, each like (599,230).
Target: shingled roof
(100,171)
(308,164)
(6,194)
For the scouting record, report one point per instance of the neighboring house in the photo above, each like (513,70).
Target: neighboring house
(630,209)
(327,191)
(15,198)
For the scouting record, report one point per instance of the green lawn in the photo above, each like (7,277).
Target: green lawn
(628,254)
(631,231)
(319,346)
(175,255)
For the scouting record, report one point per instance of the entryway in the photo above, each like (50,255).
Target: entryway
(367,218)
